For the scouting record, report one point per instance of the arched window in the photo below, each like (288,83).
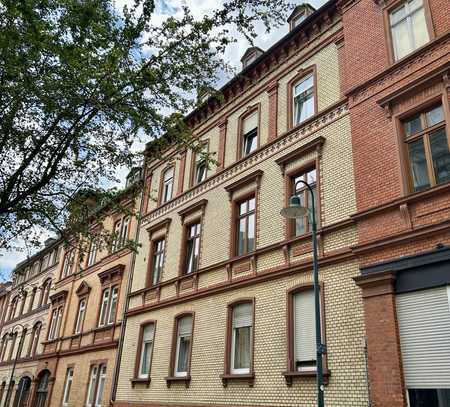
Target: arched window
(32,298)
(13,307)
(22,392)
(3,346)
(45,293)
(22,304)
(42,389)
(34,340)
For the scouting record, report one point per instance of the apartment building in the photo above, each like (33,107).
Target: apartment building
(24,323)
(221,302)
(85,312)
(396,78)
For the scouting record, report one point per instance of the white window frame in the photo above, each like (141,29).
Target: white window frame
(80,315)
(407,18)
(234,329)
(150,341)
(67,386)
(109,303)
(167,184)
(176,372)
(304,94)
(92,252)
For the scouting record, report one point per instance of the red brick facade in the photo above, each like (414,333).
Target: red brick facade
(392,221)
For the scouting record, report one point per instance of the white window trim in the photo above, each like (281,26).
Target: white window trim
(69,379)
(80,316)
(233,370)
(141,359)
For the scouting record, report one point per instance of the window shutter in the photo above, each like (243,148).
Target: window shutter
(185,326)
(242,315)
(149,331)
(250,123)
(424,326)
(304,326)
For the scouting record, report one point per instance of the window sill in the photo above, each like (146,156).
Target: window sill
(289,376)
(248,377)
(139,380)
(178,379)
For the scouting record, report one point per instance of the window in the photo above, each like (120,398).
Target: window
(67,386)
(241,338)
(121,231)
(13,340)
(428,149)
(157,260)
(96,386)
(146,350)
(192,248)
(55,256)
(55,323)
(246,226)
(45,261)
(68,263)
(200,166)
(13,307)
(303,102)
(108,306)
(80,316)
(408,27)
(304,330)
(298,19)
(45,292)
(301,226)
(92,252)
(249,133)
(167,185)
(183,346)
(3,346)
(32,298)
(34,340)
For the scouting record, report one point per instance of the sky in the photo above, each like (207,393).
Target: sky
(232,55)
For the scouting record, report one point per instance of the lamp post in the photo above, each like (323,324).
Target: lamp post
(19,351)
(294,211)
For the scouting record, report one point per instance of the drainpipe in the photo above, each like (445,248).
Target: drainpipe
(127,300)
(366,360)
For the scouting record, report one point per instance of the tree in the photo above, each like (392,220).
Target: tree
(80,82)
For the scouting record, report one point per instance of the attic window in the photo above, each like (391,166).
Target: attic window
(298,19)
(252,57)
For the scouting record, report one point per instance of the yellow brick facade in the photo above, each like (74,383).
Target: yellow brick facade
(266,275)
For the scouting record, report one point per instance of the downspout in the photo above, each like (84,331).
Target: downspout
(127,300)
(366,360)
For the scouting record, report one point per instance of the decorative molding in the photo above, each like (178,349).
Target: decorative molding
(200,205)
(83,289)
(315,144)
(289,139)
(419,59)
(59,296)
(254,176)
(111,274)
(164,224)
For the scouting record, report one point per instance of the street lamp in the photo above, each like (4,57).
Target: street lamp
(19,351)
(295,210)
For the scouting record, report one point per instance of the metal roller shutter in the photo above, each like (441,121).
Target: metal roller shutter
(424,326)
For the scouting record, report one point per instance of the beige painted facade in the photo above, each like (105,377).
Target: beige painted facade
(25,309)
(278,263)
(88,343)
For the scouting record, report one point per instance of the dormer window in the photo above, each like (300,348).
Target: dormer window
(299,14)
(252,54)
